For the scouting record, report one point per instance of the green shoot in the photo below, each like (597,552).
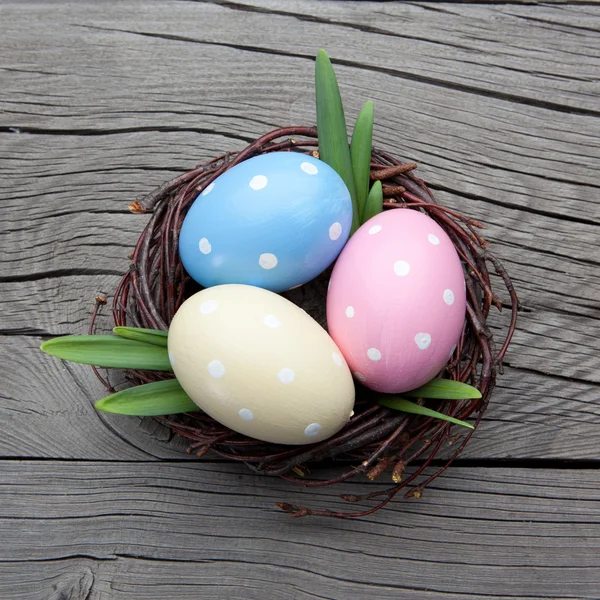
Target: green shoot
(374,203)
(360,152)
(331,128)
(155,337)
(445,389)
(108,351)
(149,400)
(404,405)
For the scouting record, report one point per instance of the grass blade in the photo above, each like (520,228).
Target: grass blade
(149,400)
(374,204)
(360,154)
(407,406)
(331,127)
(445,389)
(108,351)
(155,337)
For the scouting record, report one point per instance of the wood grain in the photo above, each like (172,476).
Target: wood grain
(68,230)
(47,408)
(484,133)
(121,530)
(102,102)
(48,411)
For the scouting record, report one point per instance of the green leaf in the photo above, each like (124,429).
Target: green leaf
(374,203)
(331,128)
(360,153)
(155,337)
(445,389)
(108,351)
(149,400)
(398,403)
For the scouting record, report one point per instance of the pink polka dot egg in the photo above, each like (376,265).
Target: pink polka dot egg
(396,302)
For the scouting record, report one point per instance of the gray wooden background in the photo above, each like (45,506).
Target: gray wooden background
(102,101)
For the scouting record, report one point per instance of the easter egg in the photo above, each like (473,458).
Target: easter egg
(260,365)
(396,303)
(274,221)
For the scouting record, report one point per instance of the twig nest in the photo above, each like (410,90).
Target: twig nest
(375,440)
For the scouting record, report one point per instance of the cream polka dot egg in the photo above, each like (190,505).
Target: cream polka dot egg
(260,365)
(275,221)
(396,302)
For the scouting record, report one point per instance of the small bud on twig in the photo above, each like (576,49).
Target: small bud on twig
(416,492)
(388,172)
(398,471)
(137,208)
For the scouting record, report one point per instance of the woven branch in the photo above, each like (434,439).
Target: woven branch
(376,439)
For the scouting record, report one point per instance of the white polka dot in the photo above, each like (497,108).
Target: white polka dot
(271,321)
(465,285)
(337,359)
(433,239)
(246,414)
(312,430)
(216,368)
(208,190)
(401,268)
(335,231)
(352,413)
(449,297)
(286,376)
(328,284)
(171,358)
(452,350)
(375,229)
(309,168)
(267,261)
(350,311)
(258,182)
(359,376)
(422,340)
(374,354)
(208,306)
(204,246)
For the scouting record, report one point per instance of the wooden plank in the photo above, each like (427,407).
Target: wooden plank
(484,134)
(49,413)
(46,406)
(459,44)
(184,531)
(54,580)
(50,209)
(557,342)
(55,305)
(462,46)
(560,345)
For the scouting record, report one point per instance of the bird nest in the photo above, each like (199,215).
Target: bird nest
(377,442)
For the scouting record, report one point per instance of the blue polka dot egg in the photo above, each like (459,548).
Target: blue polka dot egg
(274,221)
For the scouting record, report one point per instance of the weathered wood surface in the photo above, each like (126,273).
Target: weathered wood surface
(101,102)
(129,530)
